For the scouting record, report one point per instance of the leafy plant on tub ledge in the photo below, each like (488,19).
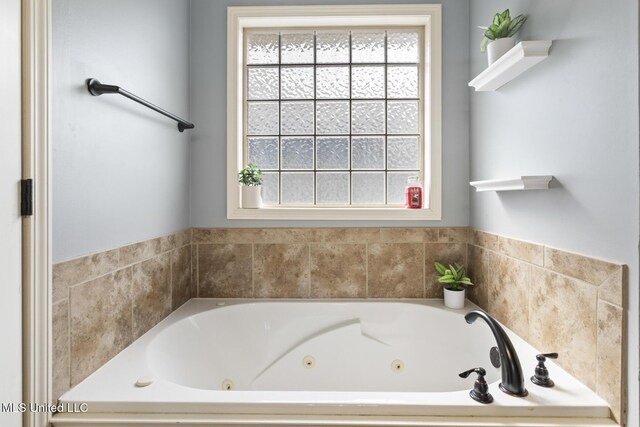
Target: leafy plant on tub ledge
(455,282)
(251,179)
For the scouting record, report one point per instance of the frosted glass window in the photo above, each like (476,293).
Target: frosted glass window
(263,48)
(333,116)
(332,47)
(297,118)
(402,116)
(332,82)
(270,188)
(263,152)
(367,82)
(367,152)
(367,47)
(263,118)
(297,48)
(332,152)
(367,188)
(263,83)
(297,153)
(367,117)
(402,152)
(297,188)
(402,46)
(402,81)
(332,188)
(297,83)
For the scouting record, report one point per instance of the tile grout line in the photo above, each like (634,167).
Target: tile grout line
(68,386)
(597,343)
(309,269)
(366,269)
(131,331)
(253,280)
(171,280)
(424,270)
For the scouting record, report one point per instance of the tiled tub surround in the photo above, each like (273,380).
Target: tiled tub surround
(559,302)
(105,301)
(322,262)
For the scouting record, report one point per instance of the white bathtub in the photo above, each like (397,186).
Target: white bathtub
(320,363)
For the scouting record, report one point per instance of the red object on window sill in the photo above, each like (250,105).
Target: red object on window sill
(413,194)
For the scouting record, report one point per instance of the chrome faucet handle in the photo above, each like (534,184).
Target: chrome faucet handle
(480,392)
(541,375)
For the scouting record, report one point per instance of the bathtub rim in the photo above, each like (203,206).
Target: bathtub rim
(270,420)
(375,417)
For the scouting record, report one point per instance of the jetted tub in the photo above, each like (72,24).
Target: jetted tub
(242,362)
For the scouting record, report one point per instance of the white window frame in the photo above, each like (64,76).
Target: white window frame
(428,16)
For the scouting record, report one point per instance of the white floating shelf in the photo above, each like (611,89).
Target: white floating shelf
(519,59)
(539,182)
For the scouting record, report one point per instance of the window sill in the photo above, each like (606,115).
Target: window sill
(285,213)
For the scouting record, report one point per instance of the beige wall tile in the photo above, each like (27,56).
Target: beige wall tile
(281,271)
(408,235)
(563,319)
(590,270)
(486,240)
(395,270)
(288,235)
(477,260)
(175,240)
(445,253)
(453,235)
(609,363)
(508,292)
(100,312)
(228,235)
(526,251)
(180,276)
(80,270)
(60,348)
(345,235)
(338,270)
(151,293)
(139,251)
(614,287)
(224,270)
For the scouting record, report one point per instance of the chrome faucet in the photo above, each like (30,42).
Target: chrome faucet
(512,379)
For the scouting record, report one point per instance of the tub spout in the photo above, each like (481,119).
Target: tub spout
(512,379)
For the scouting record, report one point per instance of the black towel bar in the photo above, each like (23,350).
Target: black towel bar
(96,89)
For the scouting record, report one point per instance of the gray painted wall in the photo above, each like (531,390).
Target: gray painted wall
(574,116)
(208,108)
(120,171)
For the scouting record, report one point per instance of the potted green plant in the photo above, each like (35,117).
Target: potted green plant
(251,180)
(455,282)
(498,37)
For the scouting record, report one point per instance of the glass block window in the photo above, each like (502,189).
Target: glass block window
(334,116)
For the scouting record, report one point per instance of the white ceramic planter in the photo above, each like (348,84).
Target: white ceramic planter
(251,196)
(499,47)
(454,299)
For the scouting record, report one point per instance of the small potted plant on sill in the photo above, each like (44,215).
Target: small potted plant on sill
(498,37)
(251,179)
(455,282)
